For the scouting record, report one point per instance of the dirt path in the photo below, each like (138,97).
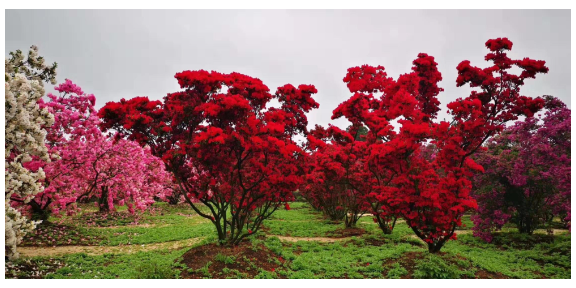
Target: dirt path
(297,221)
(134,248)
(145,225)
(317,239)
(554,231)
(98,250)
(397,222)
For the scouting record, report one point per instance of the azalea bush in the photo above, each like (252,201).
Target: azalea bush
(429,186)
(527,174)
(335,174)
(222,145)
(24,137)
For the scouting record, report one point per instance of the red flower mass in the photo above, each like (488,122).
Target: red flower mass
(237,157)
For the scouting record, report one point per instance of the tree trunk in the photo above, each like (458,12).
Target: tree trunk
(350,221)
(435,248)
(103,201)
(384,227)
(526,224)
(335,215)
(39,212)
(174,198)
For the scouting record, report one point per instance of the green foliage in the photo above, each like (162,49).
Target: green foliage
(157,264)
(434,267)
(225,259)
(153,270)
(396,272)
(515,262)
(205,269)
(263,274)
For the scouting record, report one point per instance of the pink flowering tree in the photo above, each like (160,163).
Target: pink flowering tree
(86,164)
(527,179)
(118,173)
(74,124)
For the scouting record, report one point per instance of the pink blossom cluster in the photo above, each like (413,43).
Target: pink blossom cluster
(87,164)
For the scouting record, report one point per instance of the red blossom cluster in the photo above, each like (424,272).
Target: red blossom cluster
(422,173)
(237,157)
(335,174)
(222,145)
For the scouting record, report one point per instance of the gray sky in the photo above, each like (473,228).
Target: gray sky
(118,54)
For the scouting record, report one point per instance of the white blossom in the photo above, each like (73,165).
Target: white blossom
(24,139)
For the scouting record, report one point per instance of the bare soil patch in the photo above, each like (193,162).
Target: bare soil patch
(218,261)
(348,232)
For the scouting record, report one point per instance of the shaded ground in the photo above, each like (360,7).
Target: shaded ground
(31,270)
(145,225)
(53,234)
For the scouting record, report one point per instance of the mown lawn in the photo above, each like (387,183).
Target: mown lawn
(279,250)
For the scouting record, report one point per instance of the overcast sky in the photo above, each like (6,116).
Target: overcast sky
(118,54)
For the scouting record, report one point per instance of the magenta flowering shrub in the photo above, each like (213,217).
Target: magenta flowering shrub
(85,163)
(527,174)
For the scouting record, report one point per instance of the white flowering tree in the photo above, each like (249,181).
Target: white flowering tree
(24,136)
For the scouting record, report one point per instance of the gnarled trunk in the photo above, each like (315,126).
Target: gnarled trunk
(39,211)
(526,225)
(103,201)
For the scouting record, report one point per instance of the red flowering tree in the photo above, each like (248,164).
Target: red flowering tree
(222,145)
(429,186)
(86,164)
(335,172)
(527,179)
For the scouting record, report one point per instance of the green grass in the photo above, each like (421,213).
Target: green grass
(170,223)
(185,229)
(154,264)
(300,221)
(335,260)
(372,255)
(551,260)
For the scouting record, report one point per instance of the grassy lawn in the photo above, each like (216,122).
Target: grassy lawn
(298,243)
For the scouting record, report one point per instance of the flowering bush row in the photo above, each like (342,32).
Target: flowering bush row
(422,172)
(216,143)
